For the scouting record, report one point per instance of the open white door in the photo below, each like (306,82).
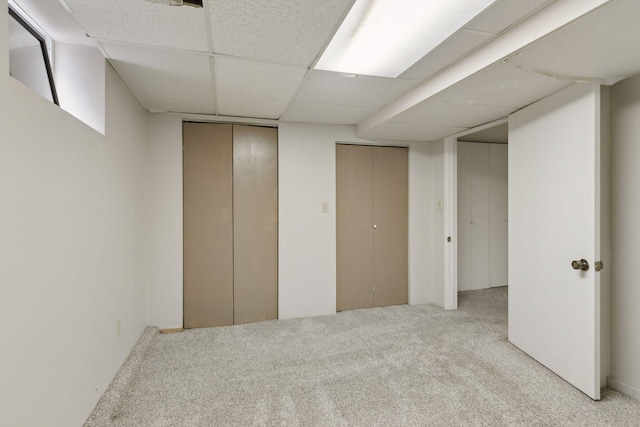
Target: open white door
(554,219)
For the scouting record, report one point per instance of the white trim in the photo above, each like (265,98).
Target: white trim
(451,223)
(623,387)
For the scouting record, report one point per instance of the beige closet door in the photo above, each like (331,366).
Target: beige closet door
(371,226)
(255,227)
(391,222)
(354,227)
(208,227)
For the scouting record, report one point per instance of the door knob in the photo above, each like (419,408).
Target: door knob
(580,265)
(375,225)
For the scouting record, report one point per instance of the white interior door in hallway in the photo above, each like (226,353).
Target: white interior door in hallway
(482,215)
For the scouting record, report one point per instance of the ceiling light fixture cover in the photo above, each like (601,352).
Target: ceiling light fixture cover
(385,37)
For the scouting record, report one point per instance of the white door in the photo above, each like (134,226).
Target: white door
(473,216)
(498,223)
(554,207)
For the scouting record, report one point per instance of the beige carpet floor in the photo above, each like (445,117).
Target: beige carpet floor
(392,366)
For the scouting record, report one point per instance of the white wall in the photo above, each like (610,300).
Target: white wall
(423,209)
(72,221)
(164,225)
(307,270)
(80,82)
(438,243)
(625,236)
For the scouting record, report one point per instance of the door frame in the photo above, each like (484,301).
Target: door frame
(451,212)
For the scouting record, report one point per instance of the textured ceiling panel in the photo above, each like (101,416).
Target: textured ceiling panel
(410,132)
(590,49)
(336,88)
(503,85)
(291,32)
(503,14)
(454,114)
(139,21)
(448,52)
(255,89)
(308,112)
(165,80)
(498,133)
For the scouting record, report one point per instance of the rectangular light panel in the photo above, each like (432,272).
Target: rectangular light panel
(385,37)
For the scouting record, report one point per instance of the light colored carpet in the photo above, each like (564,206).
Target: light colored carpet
(402,365)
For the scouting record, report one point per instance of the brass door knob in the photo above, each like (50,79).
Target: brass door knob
(580,265)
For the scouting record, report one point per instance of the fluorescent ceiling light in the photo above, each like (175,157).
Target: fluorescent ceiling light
(385,37)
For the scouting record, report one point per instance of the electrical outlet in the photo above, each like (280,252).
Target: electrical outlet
(118,327)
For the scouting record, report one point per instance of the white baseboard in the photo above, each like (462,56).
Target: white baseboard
(623,387)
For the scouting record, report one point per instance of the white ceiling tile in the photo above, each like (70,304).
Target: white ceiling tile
(139,21)
(503,85)
(600,46)
(410,132)
(448,52)
(255,89)
(291,32)
(503,14)
(498,133)
(165,80)
(335,88)
(435,111)
(309,112)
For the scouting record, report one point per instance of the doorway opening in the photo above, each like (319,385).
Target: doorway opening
(482,209)
(476,206)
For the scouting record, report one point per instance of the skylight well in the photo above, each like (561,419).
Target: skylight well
(386,37)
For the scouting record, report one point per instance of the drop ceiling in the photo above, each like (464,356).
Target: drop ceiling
(254,59)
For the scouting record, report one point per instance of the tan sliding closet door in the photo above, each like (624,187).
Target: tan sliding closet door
(255,230)
(354,227)
(208,226)
(390,214)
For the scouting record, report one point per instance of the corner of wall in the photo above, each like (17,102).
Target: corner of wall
(164,269)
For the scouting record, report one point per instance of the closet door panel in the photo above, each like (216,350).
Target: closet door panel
(390,216)
(255,228)
(464,216)
(354,227)
(498,241)
(480,261)
(208,227)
